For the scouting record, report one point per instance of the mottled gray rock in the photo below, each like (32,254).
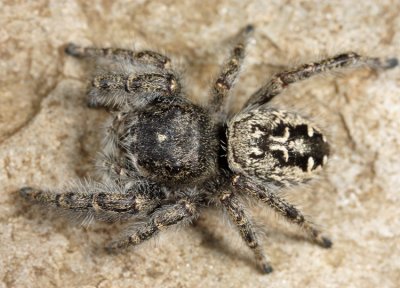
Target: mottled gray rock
(48,136)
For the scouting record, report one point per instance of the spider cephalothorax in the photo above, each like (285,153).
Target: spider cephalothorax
(164,157)
(170,141)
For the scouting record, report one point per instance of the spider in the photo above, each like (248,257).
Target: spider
(165,158)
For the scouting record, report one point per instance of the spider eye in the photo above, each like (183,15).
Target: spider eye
(173,169)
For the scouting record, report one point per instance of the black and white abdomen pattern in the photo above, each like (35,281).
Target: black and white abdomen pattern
(275,146)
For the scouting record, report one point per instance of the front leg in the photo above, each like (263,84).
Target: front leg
(182,211)
(115,90)
(238,216)
(282,80)
(145,57)
(127,77)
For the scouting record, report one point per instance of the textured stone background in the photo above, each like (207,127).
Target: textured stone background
(47,135)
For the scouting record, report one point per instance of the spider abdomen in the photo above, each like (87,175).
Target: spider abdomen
(275,146)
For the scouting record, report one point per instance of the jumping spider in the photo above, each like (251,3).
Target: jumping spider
(165,158)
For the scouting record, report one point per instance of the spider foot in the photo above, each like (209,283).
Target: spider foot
(383,63)
(324,242)
(390,63)
(266,268)
(116,246)
(26,192)
(74,50)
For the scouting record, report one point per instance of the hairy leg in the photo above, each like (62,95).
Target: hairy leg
(238,216)
(96,198)
(167,215)
(114,90)
(229,71)
(128,77)
(145,57)
(287,210)
(346,60)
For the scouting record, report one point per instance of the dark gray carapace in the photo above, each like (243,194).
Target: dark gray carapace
(171,142)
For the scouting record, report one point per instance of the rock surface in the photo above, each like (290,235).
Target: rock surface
(48,136)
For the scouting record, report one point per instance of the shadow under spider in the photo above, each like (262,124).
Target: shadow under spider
(213,241)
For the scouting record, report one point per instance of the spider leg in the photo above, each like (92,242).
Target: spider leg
(131,78)
(114,90)
(109,201)
(346,60)
(145,57)
(182,211)
(239,217)
(229,71)
(287,210)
